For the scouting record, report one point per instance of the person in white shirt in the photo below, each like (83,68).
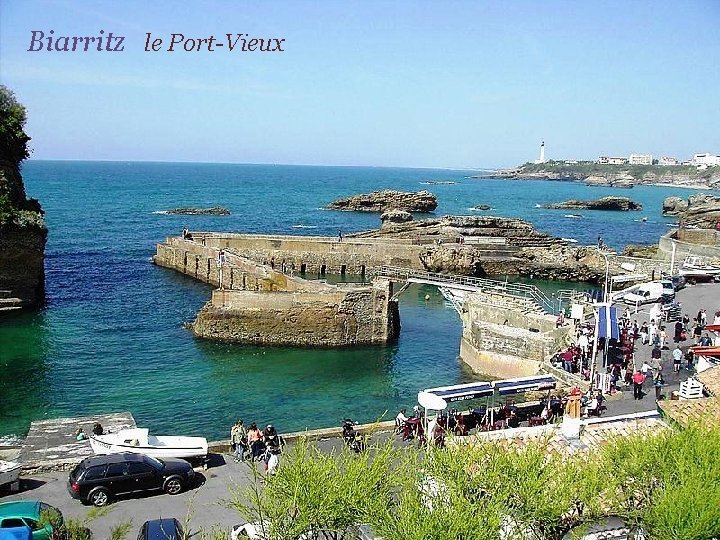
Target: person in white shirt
(400,420)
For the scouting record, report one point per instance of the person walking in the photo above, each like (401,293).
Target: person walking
(638,379)
(677,358)
(658,382)
(239,441)
(644,333)
(679,329)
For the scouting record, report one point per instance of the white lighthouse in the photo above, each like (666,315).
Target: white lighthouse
(542,153)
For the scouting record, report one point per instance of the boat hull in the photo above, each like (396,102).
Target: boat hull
(195,450)
(9,472)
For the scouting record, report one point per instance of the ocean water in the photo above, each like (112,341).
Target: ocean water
(111,336)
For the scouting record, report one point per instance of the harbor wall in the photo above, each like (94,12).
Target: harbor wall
(698,242)
(319,255)
(345,316)
(507,337)
(256,304)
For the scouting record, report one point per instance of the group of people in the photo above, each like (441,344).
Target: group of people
(252,443)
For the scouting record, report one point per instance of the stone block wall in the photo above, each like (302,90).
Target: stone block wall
(319,255)
(330,318)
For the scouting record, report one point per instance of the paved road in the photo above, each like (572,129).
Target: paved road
(693,298)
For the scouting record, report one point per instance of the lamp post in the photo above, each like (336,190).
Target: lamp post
(606,293)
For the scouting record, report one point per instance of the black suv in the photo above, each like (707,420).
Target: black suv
(97,479)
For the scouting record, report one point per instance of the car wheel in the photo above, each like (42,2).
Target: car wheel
(173,485)
(99,497)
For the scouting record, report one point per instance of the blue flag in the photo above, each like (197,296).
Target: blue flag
(608,323)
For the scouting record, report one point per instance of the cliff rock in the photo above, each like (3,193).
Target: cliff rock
(703,211)
(395,216)
(380,201)
(22,228)
(214,211)
(673,206)
(606,203)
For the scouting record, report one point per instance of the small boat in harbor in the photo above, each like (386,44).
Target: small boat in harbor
(697,268)
(140,441)
(573,216)
(9,472)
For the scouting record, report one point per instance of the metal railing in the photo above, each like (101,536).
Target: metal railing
(518,290)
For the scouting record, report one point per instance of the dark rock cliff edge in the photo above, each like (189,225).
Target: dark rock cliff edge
(22,228)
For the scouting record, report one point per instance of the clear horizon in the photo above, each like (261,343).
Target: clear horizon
(459,86)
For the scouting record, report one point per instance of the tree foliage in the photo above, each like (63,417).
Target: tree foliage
(13,139)
(667,484)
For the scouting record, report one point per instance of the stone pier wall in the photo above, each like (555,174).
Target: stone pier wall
(319,255)
(336,317)
(506,340)
(260,305)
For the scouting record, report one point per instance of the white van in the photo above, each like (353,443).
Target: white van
(646,293)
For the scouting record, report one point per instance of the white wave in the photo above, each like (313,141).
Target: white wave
(473,209)
(569,240)
(160,212)
(573,216)
(304,226)
(538,206)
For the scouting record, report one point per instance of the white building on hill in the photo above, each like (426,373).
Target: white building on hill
(607,160)
(706,160)
(668,161)
(640,159)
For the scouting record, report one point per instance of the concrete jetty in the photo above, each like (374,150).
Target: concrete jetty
(51,445)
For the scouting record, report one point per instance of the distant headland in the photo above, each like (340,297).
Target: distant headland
(614,175)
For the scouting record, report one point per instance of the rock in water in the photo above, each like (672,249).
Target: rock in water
(481,207)
(606,203)
(214,211)
(703,211)
(672,206)
(380,201)
(395,216)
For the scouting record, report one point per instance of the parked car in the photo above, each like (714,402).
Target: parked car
(98,479)
(678,282)
(161,529)
(646,293)
(41,518)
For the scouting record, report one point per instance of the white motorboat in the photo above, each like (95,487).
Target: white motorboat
(697,267)
(140,441)
(9,472)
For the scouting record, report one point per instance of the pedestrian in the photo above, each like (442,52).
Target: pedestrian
(697,332)
(638,379)
(677,358)
(689,356)
(658,382)
(663,337)
(339,236)
(255,441)
(716,320)
(656,353)
(652,332)
(686,322)
(703,318)
(679,329)
(644,333)
(239,441)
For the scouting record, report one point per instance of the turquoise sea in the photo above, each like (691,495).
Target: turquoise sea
(111,336)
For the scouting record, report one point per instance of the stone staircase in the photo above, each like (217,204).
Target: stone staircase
(8,302)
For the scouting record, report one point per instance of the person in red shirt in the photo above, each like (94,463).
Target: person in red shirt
(638,379)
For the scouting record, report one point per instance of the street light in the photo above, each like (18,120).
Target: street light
(606,293)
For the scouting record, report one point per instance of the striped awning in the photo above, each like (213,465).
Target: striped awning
(460,392)
(525,384)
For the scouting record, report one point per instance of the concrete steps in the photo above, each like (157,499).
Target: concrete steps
(8,303)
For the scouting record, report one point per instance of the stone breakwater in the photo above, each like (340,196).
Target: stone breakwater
(258,304)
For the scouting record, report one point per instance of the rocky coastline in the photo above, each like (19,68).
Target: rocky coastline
(619,176)
(22,227)
(700,211)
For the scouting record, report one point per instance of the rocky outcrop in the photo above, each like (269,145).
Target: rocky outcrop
(22,228)
(618,181)
(380,201)
(395,216)
(673,206)
(641,251)
(606,203)
(703,211)
(214,211)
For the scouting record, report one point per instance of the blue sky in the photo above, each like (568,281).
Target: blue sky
(423,84)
